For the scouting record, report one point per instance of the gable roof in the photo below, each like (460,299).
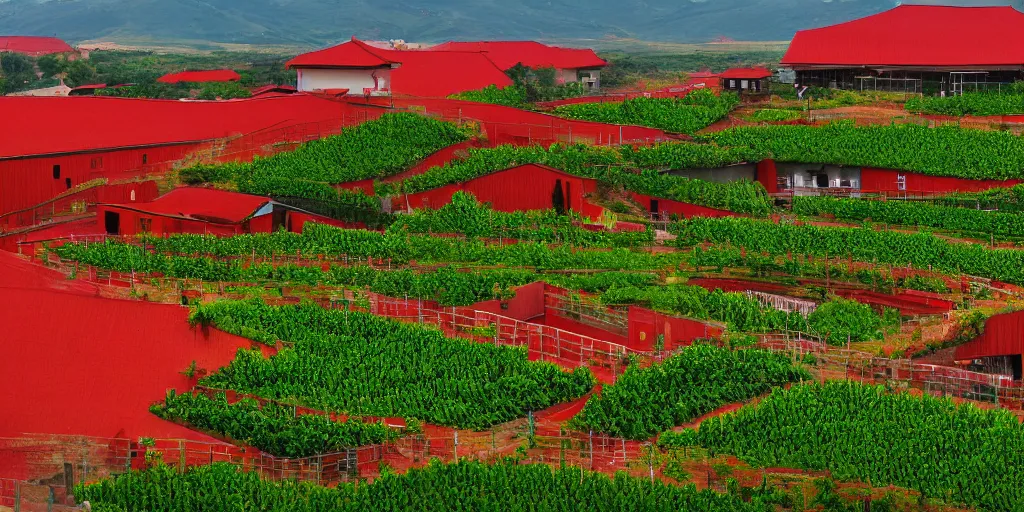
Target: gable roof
(506,54)
(33,45)
(915,35)
(420,73)
(207,204)
(211,75)
(752,73)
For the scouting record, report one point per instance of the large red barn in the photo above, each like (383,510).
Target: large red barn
(34,46)
(915,48)
(570,64)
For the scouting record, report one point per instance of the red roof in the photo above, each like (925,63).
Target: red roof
(89,86)
(421,73)
(207,204)
(748,73)
(267,89)
(97,122)
(32,45)
(915,35)
(506,54)
(212,75)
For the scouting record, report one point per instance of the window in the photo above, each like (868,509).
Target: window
(732,84)
(901,182)
(67,182)
(145,159)
(145,224)
(56,172)
(743,84)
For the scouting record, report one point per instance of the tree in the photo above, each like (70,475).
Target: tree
(79,73)
(18,70)
(52,65)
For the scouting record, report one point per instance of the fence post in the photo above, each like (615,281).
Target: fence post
(591,450)
(456,451)
(17,496)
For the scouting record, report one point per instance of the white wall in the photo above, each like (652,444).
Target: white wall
(565,76)
(355,80)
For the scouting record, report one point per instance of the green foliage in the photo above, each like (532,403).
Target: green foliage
(841,320)
(941,151)
(272,428)
(374,149)
(971,103)
(510,96)
(628,68)
(222,91)
(504,485)
(699,379)
(688,114)
(614,166)
(361,364)
(862,244)
(774,115)
(911,213)
(465,216)
(957,453)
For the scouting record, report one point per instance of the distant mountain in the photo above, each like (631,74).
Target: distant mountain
(320,22)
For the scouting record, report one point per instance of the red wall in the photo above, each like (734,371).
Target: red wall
(130,223)
(526,305)
(1003,336)
(438,158)
(645,326)
(768,175)
(685,210)
(297,220)
(27,182)
(527,187)
(560,322)
(884,181)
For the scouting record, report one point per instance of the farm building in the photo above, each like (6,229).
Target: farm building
(913,48)
(35,46)
(570,64)
(115,138)
(745,80)
(998,349)
(211,75)
(194,210)
(815,179)
(359,69)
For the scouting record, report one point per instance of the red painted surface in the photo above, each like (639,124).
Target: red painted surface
(420,73)
(191,210)
(552,319)
(33,45)
(211,75)
(685,210)
(646,325)
(1003,336)
(526,305)
(508,125)
(768,175)
(506,54)
(297,220)
(746,73)
(915,35)
(885,181)
(364,186)
(526,187)
(437,159)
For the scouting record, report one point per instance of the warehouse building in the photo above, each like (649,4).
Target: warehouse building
(570,64)
(913,48)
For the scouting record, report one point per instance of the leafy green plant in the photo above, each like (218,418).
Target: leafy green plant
(695,111)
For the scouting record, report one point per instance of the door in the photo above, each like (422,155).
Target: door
(278,219)
(654,207)
(112,223)
(821,181)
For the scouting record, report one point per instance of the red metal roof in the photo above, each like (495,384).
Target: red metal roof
(207,204)
(211,75)
(96,122)
(749,73)
(506,54)
(32,45)
(420,73)
(267,89)
(89,86)
(915,35)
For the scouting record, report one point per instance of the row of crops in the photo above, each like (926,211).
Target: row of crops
(504,485)
(636,170)
(693,112)
(922,250)
(464,215)
(645,401)
(957,453)
(272,428)
(720,256)
(838,320)
(398,247)
(912,213)
(970,103)
(360,364)
(941,151)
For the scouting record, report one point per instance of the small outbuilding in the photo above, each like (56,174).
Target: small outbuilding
(746,80)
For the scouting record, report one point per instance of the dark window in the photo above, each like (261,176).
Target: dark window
(67,182)
(821,180)
(145,224)
(654,206)
(112,223)
(145,159)
(56,172)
